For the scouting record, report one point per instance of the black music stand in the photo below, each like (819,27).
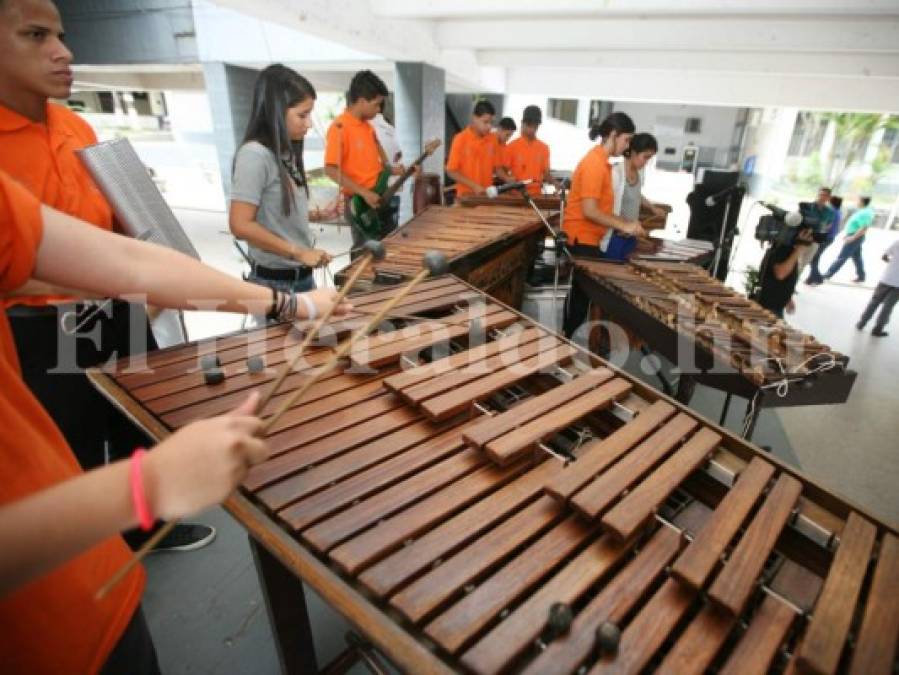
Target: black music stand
(716,223)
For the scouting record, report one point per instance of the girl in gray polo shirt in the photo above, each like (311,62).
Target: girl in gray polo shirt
(269,195)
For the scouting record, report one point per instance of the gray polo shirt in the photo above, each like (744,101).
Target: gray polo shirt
(257,181)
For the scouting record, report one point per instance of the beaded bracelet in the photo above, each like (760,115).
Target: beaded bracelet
(272,312)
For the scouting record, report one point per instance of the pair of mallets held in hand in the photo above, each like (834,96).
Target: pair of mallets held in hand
(434,264)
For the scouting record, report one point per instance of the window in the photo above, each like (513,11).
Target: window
(599,110)
(693,125)
(891,143)
(808,135)
(106,102)
(564,109)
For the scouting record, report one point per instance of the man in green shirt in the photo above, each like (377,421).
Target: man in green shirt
(856,228)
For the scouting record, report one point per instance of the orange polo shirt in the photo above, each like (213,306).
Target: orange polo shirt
(592,179)
(528,160)
(52,624)
(42,158)
(475,157)
(351,145)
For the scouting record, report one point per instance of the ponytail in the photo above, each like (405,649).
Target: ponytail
(617,121)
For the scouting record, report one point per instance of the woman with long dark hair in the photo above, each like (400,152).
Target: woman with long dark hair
(627,178)
(590,213)
(269,193)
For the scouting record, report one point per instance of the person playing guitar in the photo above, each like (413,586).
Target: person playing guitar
(353,157)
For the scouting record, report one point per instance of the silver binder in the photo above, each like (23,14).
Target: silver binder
(142,213)
(136,201)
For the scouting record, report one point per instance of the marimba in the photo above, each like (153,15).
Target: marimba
(695,251)
(513,198)
(475,494)
(491,248)
(734,344)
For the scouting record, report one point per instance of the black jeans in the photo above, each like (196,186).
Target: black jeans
(577,304)
(814,274)
(134,653)
(46,342)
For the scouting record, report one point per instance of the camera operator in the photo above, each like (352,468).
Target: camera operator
(780,271)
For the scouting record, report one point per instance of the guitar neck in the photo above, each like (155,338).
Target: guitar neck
(393,189)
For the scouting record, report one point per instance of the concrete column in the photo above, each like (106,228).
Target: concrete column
(230,92)
(420,108)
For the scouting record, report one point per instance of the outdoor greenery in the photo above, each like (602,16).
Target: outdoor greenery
(845,164)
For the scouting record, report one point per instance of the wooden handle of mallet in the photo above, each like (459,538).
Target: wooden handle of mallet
(374,251)
(434,264)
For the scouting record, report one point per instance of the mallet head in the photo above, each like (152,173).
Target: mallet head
(209,361)
(559,621)
(435,263)
(608,636)
(376,248)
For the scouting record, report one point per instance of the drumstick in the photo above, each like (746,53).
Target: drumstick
(374,250)
(434,264)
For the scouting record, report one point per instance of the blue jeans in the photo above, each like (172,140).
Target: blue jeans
(298,286)
(851,250)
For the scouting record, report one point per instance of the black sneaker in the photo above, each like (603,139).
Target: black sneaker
(879,333)
(186,537)
(859,326)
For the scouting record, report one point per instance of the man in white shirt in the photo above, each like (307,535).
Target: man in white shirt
(386,134)
(387,137)
(885,295)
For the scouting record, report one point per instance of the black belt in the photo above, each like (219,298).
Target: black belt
(282,274)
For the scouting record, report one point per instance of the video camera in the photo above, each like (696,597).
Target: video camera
(783,227)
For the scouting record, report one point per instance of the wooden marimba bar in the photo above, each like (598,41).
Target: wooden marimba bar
(482,496)
(491,248)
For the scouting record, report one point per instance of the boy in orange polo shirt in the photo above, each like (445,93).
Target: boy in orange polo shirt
(57,523)
(39,141)
(527,158)
(505,130)
(353,157)
(475,155)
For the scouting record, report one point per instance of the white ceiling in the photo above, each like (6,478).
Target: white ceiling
(838,54)
(826,54)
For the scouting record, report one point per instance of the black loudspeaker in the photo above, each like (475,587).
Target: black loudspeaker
(706,221)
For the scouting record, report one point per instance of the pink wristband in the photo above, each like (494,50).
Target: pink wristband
(141,507)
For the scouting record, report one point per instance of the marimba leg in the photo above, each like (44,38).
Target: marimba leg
(285,602)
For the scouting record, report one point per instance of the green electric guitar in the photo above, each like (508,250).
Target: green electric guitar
(371,221)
